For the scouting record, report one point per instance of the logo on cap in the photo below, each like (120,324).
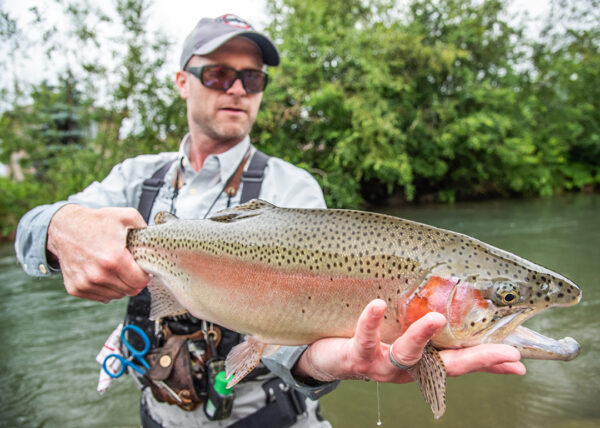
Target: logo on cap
(234,21)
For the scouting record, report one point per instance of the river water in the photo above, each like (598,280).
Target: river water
(49,339)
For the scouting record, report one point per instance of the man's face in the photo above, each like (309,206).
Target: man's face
(222,116)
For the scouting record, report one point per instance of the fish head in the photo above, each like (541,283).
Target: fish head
(486,297)
(487,310)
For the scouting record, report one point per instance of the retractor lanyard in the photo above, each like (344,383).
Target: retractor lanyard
(230,187)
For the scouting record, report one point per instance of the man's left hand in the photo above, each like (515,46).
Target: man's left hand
(364,356)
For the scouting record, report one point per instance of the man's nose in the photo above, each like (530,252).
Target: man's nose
(237,88)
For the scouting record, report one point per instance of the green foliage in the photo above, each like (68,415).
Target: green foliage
(442,101)
(426,99)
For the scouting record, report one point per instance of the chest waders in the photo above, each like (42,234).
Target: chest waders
(186,341)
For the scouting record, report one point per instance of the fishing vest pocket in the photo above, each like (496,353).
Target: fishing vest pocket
(180,364)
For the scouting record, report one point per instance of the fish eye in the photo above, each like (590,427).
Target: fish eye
(509,297)
(506,294)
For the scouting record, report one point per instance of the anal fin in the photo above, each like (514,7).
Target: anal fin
(430,375)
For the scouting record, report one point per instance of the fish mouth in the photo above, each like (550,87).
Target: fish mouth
(534,345)
(503,326)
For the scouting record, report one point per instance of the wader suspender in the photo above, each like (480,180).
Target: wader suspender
(253,177)
(150,190)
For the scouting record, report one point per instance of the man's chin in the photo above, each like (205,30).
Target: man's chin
(231,134)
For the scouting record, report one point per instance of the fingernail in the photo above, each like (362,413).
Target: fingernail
(378,310)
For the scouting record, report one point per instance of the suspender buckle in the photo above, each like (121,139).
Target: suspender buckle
(253,176)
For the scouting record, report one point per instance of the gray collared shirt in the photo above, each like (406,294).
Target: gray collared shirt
(284,185)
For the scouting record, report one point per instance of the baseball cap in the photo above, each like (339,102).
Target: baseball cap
(210,33)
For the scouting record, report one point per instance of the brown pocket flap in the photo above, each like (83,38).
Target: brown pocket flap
(162,361)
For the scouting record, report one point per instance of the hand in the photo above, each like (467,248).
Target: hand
(364,356)
(90,246)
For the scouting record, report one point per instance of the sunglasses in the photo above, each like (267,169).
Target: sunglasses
(222,77)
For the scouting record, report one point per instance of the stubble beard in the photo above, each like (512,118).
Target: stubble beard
(224,131)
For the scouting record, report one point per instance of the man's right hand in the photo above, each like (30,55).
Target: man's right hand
(90,246)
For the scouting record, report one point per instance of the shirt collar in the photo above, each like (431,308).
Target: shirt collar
(227,161)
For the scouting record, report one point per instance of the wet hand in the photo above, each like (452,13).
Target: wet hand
(90,246)
(364,356)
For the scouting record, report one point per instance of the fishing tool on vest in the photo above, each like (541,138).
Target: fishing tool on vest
(179,361)
(135,354)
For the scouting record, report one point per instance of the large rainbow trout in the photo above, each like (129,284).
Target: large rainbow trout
(292,276)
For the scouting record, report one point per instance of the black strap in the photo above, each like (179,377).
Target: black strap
(284,404)
(150,190)
(252,178)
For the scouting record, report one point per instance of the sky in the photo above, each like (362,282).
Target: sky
(178,17)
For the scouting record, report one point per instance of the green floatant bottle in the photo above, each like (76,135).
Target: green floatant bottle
(219,402)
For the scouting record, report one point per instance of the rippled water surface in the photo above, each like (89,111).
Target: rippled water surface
(49,339)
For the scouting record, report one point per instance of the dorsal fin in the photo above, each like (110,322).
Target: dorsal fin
(249,209)
(255,204)
(164,217)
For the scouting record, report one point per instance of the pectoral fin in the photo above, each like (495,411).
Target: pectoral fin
(430,374)
(162,304)
(243,358)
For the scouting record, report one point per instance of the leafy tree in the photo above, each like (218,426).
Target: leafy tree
(426,103)
(567,93)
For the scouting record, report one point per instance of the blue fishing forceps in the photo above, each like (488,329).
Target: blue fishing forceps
(139,356)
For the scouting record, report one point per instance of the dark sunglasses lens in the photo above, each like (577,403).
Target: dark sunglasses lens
(254,80)
(218,77)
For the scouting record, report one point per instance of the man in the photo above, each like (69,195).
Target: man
(222,81)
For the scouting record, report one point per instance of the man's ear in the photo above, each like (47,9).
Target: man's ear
(181,83)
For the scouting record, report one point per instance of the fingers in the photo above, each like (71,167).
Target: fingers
(91,248)
(367,336)
(517,368)
(493,358)
(131,275)
(408,348)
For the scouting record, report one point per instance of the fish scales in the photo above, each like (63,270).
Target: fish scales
(292,276)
